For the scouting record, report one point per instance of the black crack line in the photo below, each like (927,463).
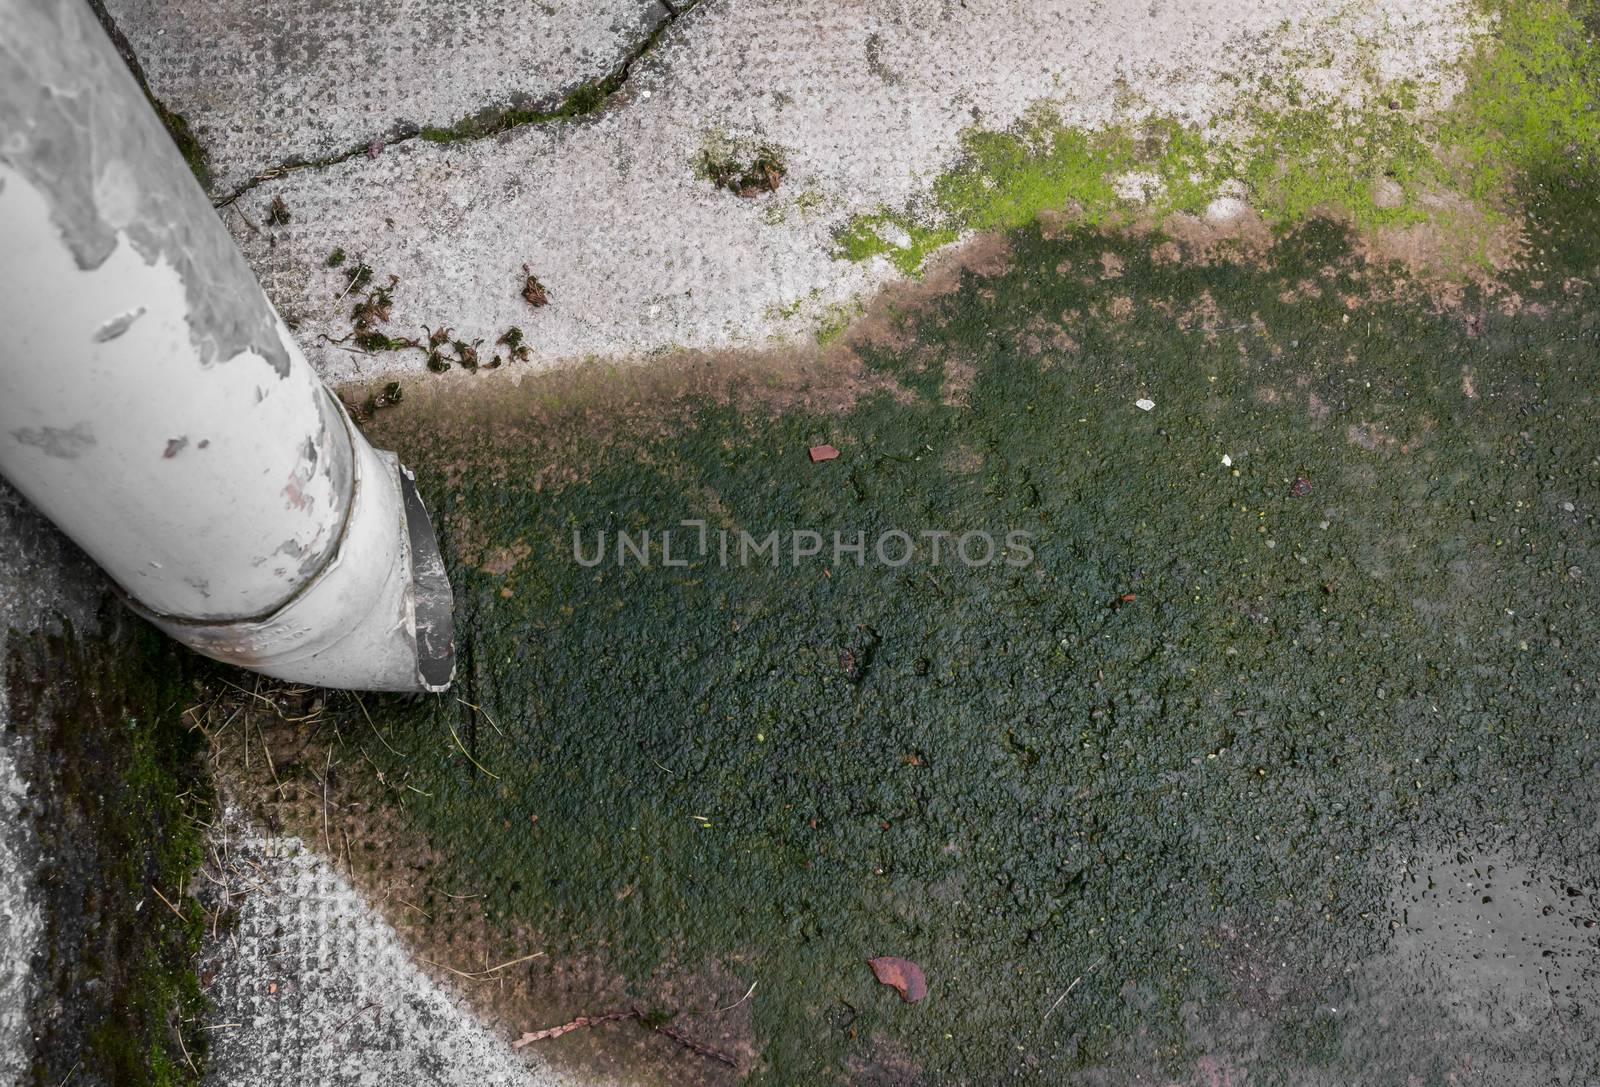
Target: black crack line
(588,98)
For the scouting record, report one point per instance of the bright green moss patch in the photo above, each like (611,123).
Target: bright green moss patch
(1533,99)
(1531,103)
(1302,160)
(1004,181)
(1294,162)
(1016,176)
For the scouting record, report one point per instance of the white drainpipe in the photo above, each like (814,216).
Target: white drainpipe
(154,406)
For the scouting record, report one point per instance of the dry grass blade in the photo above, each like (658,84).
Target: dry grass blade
(575,1024)
(743,998)
(467,753)
(168,902)
(488,973)
(638,1016)
(1073,986)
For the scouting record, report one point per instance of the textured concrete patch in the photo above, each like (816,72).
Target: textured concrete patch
(866,106)
(313,986)
(300,80)
(20,923)
(1514,948)
(1490,976)
(42,578)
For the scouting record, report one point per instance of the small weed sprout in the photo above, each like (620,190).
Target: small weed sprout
(512,341)
(437,338)
(466,353)
(371,311)
(533,291)
(763,173)
(442,348)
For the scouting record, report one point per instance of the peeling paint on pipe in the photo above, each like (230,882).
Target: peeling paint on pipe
(155,407)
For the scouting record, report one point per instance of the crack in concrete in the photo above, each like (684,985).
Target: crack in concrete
(584,100)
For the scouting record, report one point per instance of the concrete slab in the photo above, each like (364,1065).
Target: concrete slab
(20,921)
(867,103)
(314,986)
(303,80)
(43,579)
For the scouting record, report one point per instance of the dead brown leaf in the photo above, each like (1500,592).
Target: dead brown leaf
(903,974)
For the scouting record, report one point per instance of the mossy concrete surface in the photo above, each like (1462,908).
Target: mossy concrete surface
(105,801)
(43,582)
(1264,745)
(1288,721)
(117,800)
(1404,154)
(860,111)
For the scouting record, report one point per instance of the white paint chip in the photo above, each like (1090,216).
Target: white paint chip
(1144,403)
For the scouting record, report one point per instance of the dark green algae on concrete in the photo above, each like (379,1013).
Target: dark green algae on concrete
(1137,806)
(1301,653)
(118,803)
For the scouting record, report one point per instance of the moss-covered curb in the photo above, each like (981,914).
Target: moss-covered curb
(119,800)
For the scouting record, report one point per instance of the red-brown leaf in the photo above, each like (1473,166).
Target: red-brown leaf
(903,974)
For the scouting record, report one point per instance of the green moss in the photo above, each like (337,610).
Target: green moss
(1531,102)
(1186,743)
(1011,177)
(1533,99)
(580,102)
(836,319)
(123,795)
(369,340)
(189,145)
(1299,161)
